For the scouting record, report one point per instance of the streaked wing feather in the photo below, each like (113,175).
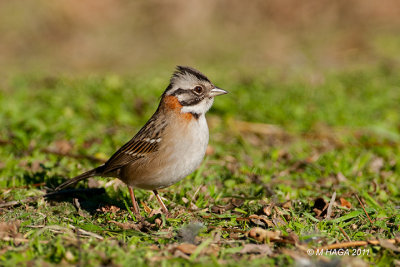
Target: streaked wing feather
(125,156)
(145,141)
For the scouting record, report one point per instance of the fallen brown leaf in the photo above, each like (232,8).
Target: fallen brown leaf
(10,231)
(262,235)
(268,210)
(292,238)
(287,205)
(142,226)
(233,203)
(126,226)
(345,203)
(146,208)
(112,209)
(187,248)
(388,245)
(237,202)
(261,220)
(62,146)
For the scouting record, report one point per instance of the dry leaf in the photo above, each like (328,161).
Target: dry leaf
(237,202)
(278,221)
(158,222)
(292,238)
(178,253)
(261,220)
(112,209)
(143,226)
(345,203)
(62,147)
(11,230)
(187,248)
(287,205)
(262,235)
(268,210)
(219,209)
(386,244)
(126,226)
(234,202)
(146,208)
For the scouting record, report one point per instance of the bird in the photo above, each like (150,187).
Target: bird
(170,146)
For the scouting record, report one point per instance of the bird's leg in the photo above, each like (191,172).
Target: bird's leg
(134,203)
(164,208)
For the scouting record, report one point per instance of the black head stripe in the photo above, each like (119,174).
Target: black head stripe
(180,91)
(181,70)
(191,102)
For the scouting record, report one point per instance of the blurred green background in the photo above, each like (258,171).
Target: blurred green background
(313,108)
(135,36)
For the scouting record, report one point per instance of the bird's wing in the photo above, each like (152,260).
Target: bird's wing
(146,141)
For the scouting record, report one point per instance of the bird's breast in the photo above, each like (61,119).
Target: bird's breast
(181,151)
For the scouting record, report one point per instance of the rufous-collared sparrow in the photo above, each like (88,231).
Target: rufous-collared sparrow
(171,145)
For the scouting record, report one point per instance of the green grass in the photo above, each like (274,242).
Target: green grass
(337,132)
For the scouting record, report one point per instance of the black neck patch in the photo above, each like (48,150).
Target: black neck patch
(195,115)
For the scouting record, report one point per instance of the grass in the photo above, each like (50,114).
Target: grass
(333,132)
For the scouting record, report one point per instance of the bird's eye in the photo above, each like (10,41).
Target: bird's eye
(198,90)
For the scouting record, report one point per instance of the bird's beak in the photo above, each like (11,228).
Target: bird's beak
(217,91)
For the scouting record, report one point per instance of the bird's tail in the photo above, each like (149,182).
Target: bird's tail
(83,176)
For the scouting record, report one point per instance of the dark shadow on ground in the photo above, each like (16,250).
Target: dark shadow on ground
(90,199)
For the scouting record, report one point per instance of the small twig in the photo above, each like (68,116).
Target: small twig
(77,205)
(21,240)
(196,192)
(355,244)
(86,233)
(35,226)
(344,233)
(359,200)
(79,248)
(329,210)
(146,208)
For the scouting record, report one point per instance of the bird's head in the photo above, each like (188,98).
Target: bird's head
(193,90)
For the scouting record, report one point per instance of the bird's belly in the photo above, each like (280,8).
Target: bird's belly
(173,162)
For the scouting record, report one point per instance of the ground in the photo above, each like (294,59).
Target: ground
(295,163)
